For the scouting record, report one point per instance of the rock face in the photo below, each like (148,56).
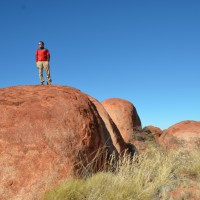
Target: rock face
(184,134)
(119,143)
(191,191)
(47,134)
(124,115)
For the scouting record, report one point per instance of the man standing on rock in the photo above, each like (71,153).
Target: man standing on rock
(42,62)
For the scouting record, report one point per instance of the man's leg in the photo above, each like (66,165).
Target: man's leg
(47,69)
(40,67)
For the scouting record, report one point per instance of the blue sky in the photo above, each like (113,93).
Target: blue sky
(147,52)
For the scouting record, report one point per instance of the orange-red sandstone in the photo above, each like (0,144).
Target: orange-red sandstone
(124,115)
(47,134)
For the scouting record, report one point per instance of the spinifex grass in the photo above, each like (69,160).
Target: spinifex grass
(148,176)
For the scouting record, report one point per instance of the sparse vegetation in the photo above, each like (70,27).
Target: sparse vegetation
(152,175)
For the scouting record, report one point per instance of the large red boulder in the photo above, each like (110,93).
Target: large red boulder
(118,141)
(183,134)
(124,115)
(47,134)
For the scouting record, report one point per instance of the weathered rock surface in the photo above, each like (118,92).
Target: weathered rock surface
(183,134)
(116,137)
(191,191)
(47,134)
(124,115)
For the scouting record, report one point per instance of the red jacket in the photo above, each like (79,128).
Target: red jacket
(42,55)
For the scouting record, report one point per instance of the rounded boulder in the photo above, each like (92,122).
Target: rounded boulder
(124,115)
(48,134)
(184,134)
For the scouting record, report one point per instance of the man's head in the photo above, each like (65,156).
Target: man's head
(41,44)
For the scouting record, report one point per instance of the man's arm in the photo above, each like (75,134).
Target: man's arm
(36,55)
(48,55)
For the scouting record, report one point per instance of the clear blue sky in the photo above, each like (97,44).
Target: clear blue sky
(147,52)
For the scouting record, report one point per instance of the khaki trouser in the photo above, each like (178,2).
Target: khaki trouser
(44,65)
